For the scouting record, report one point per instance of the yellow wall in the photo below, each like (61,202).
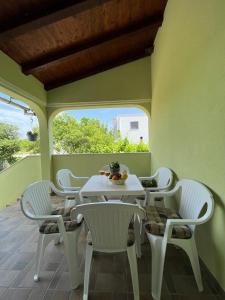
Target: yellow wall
(123,86)
(19,84)
(127,82)
(188,108)
(30,90)
(17,177)
(90,164)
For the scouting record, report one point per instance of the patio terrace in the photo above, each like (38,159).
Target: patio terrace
(165,57)
(110,276)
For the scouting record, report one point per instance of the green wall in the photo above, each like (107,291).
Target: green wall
(188,109)
(127,82)
(17,177)
(17,84)
(90,164)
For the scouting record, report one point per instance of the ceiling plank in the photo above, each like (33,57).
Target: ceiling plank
(61,55)
(101,68)
(37,19)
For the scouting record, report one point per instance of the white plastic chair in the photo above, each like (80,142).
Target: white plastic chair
(108,224)
(164,179)
(192,196)
(36,205)
(63,178)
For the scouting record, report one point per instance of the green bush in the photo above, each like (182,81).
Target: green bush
(9,144)
(89,136)
(28,147)
(8,148)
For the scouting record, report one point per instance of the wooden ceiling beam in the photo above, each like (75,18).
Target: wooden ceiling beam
(61,55)
(37,19)
(101,68)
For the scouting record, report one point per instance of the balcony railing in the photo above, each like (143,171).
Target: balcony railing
(17,177)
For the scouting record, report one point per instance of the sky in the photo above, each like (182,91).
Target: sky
(105,115)
(13,115)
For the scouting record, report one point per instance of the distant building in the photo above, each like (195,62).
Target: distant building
(134,127)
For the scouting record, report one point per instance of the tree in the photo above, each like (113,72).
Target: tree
(89,136)
(8,148)
(28,147)
(8,143)
(8,132)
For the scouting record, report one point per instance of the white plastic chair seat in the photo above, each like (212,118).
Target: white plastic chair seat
(64,212)
(64,177)
(160,181)
(64,180)
(156,222)
(51,226)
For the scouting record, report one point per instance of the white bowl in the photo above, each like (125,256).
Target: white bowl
(118,182)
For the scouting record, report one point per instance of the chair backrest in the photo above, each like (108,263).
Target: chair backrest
(164,178)
(63,178)
(122,168)
(108,223)
(193,197)
(36,199)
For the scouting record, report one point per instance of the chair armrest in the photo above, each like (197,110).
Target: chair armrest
(198,221)
(76,216)
(141,213)
(166,194)
(31,216)
(44,217)
(155,189)
(71,188)
(64,193)
(176,222)
(79,177)
(149,177)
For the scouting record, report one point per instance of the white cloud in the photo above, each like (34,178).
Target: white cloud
(14,116)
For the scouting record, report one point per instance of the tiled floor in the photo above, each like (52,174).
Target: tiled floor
(110,277)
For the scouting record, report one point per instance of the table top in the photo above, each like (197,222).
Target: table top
(98,185)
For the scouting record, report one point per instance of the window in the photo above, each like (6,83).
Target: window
(134,125)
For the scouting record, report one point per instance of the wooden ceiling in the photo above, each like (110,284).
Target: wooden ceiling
(61,41)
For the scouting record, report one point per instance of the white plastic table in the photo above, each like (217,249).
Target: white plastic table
(99,185)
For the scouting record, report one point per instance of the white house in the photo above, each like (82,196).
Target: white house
(134,127)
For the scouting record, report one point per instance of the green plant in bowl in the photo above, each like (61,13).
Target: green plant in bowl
(114,167)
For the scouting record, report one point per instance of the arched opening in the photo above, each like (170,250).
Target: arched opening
(19,131)
(100,130)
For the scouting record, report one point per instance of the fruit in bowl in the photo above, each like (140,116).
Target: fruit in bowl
(118,178)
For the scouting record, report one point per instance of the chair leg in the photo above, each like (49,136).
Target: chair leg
(158,248)
(137,234)
(193,256)
(43,241)
(71,251)
(88,258)
(70,203)
(58,240)
(134,270)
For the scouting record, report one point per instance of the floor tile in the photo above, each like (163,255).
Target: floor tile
(110,277)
